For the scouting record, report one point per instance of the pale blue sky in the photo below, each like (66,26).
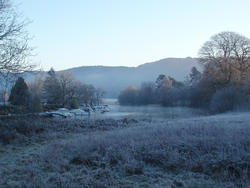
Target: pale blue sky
(70,33)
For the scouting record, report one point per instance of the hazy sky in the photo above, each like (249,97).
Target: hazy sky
(127,32)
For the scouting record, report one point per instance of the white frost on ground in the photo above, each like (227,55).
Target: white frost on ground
(183,151)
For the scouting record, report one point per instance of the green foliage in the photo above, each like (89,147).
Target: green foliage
(20,93)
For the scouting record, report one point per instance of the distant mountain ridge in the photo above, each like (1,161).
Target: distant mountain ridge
(114,79)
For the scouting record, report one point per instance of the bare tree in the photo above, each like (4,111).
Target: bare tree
(226,56)
(36,85)
(68,87)
(99,93)
(62,89)
(14,48)
(80,92)
(7,79)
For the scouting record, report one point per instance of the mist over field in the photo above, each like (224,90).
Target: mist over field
(115,79)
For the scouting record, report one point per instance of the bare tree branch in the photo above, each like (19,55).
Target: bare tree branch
(229,53)
(14,47)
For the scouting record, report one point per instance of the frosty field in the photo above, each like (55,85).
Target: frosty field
(128,150)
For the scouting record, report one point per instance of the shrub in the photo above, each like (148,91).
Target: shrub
(175,97)
(225,99)
(73,104)
(19,128)
(128,96)
(6,134)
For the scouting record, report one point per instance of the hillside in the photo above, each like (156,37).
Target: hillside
(114,79)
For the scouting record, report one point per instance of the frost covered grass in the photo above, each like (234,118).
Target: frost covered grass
(210,151)
(28,129)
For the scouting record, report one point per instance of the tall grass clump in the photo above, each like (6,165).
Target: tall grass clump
(210,149)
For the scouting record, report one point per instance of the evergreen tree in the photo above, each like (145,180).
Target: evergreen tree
(52,89)
(20,93)
(194,76)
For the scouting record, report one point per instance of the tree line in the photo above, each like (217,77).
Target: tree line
(223,84)
(54,91)
(162,91)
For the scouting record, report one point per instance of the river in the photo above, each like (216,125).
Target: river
(146,111)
